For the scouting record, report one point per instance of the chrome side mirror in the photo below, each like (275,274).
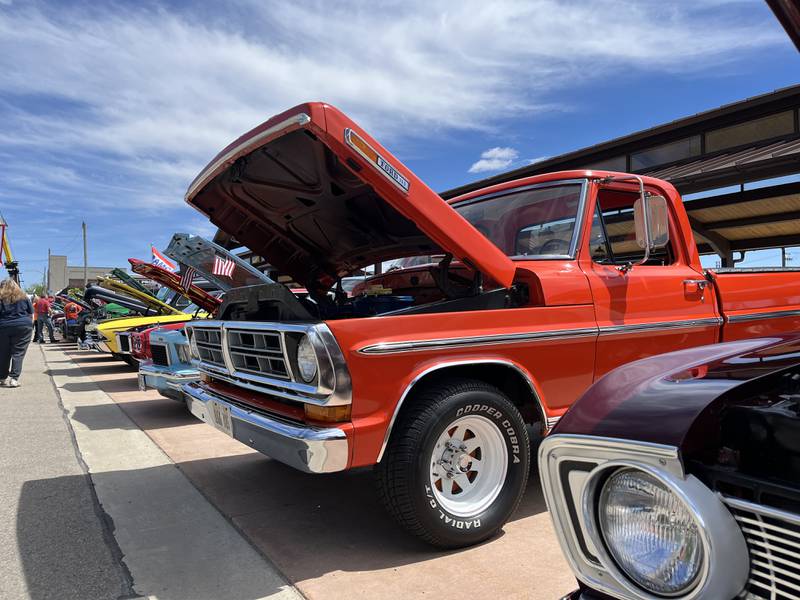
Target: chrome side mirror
(651,219)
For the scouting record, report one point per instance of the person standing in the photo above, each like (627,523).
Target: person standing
(43,308)
(16,326)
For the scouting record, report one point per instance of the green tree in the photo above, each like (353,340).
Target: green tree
(36,288)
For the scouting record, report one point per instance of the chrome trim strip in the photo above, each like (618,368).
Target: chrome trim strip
(777,314)
(510,338)
(444,365)
(661,325)
(478,340)
(209,172)
(552,421)
(579,217)
(761,509)
(309,449)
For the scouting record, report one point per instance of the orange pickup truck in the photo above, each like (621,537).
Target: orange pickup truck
(439,373)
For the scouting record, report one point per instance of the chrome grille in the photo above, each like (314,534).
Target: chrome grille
(160,354)
(257,353)
(209,346)
(773,541)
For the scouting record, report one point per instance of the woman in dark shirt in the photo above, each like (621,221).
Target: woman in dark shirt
(16,330)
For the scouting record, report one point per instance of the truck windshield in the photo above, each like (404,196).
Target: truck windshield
(530,223)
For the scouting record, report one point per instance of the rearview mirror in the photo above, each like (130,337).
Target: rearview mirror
(652,228)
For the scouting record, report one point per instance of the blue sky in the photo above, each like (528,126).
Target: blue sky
(109,109)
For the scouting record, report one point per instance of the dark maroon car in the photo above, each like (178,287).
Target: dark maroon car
(678,476)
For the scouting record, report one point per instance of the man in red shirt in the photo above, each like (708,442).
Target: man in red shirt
(42,308)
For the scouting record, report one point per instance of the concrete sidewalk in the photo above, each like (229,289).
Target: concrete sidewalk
(92,508)
(328,534)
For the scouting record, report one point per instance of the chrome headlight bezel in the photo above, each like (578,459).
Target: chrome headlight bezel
(592,498)
(572,466)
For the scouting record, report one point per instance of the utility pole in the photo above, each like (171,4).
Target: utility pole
(85,258)
(47,270)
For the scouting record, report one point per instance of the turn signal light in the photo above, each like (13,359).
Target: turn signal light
(327,414)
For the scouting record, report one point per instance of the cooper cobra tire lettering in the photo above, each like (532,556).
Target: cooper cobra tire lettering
(404,476)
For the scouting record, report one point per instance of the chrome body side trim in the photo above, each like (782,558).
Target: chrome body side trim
(572,469)
(298,120)
(445,365)
(307,448)
(512,338)
(661,325)
(478,340)
(332,388)
(776,314)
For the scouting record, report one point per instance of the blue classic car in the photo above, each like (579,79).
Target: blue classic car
(170,366)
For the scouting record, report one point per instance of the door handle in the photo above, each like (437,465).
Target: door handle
(696,285)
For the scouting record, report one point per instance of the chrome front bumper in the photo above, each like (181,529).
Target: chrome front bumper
(168,383)
(306,448)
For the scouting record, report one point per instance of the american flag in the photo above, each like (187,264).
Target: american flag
(223,267)
(187,277)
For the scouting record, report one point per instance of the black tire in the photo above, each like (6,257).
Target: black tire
(404,479)
(132,362)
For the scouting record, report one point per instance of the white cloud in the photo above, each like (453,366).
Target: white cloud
(494,159)
(158,92)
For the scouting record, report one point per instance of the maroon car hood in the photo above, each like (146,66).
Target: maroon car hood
(660,399)
(199,296)
(317,197)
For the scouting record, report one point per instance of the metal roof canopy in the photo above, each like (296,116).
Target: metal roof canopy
(707,168)
(756,219)
(705,156)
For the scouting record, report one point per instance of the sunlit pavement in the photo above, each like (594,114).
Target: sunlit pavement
(327,535)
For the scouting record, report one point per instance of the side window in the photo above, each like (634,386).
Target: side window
(613,236)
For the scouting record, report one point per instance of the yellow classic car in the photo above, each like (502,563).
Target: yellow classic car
(163,313)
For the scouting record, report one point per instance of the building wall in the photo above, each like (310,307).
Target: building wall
(57,272)
(61,275)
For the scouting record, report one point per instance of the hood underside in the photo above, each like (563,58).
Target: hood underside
(318,205)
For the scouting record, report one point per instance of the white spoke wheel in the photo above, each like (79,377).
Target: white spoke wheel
(468,466)
(456,464)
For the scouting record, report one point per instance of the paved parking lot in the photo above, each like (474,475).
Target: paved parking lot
(327,535)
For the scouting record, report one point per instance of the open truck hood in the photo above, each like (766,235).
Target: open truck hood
(200,297)
(317,197)
(153,304)
(200,254)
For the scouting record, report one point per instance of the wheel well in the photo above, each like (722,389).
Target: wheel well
(503,376)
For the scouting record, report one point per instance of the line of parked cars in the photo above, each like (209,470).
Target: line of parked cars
(571,304)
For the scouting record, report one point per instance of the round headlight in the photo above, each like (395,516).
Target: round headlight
(306,360)
(650,533)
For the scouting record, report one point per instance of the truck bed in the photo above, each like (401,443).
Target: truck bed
(758,302)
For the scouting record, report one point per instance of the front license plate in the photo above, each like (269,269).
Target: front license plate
(142,386)
(220,417)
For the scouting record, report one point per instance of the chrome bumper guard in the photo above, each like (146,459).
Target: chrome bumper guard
(173,380)
(306,448)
